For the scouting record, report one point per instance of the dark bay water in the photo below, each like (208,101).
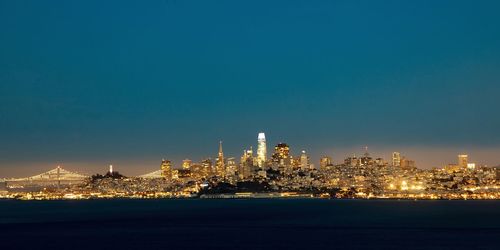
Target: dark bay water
(249,224)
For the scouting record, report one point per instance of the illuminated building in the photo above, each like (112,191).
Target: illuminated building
(246,164)
(219,165)
(351,161)
(325,162)
(396,159)
(463,161)
(111,169)
(197,170)
(451,167)
(166,168)
(471,166)
(366,159)
(261,150)
(247,156)
(353,180)
(183,173)
(281,155)
(206,165)
(281,151)
(186,164)
(407,163)
(231,169)
(304,160)
(295,162)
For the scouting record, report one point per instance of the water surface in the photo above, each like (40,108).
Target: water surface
(250,224)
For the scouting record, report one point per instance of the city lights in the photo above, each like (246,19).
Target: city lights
(281,175)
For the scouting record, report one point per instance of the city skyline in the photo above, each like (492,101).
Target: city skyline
(262,159)
(283,174)
(88,84)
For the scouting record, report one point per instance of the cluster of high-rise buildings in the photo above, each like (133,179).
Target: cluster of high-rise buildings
(368,176)
(281,174)
(251,165)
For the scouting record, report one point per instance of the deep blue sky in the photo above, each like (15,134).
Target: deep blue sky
(88,83)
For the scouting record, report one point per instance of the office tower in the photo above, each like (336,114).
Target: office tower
(166,169)
(231,169)
(366,159)
(196,170)
(247,155)
(246,164)
(406,163)
(111,169)
(396,159)
(304,160)
(206,165)
(261,150)
(281,155)
(463,161)
(219,165)
(352,161)
(186,164)
(325,162)
(471,166)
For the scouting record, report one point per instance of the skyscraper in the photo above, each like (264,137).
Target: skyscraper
(261,150)
(463,160)
(304,160)
(281,155)
(231,168)
(166,168)
(247,163)
(219,165)
(396,159)
(325,162)
(206,165)
(406,163)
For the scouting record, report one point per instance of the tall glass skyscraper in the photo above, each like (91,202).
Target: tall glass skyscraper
(261,150)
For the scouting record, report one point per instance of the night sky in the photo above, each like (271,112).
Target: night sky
(85,84)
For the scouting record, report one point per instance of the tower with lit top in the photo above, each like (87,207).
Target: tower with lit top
(219,165)
(261,150)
